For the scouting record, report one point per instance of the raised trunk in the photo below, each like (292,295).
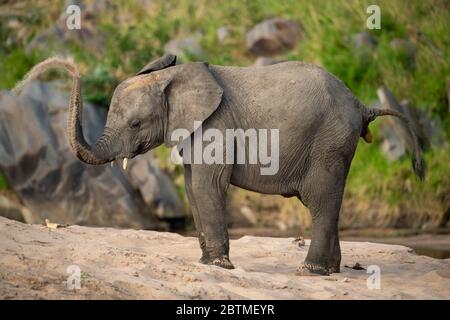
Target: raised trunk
(98,154)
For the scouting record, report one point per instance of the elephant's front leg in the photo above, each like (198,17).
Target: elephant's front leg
(206,187)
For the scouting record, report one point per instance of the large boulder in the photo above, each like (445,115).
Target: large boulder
(397,139)
(156,189)
(362,45)
(265,61)
(186,48)
(12,209)
(405,50)
(222,34)
(273,36)
(39,166)
(363,41)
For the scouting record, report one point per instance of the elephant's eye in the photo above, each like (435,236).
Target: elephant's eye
(135,124)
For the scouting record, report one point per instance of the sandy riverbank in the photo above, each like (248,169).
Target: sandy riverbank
(130,264)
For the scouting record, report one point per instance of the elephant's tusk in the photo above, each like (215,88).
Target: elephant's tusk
(112,163)
(125,162)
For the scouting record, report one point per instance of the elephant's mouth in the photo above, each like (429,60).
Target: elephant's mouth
(124,163)
(124,157)
(141,148)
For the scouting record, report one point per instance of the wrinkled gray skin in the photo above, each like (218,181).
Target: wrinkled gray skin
(319,122)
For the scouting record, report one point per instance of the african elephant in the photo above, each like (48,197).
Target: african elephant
(319,123)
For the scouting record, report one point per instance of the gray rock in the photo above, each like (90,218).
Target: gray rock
(184,48)
(363,45)
(391,145)
(14,210)
(397,139)
(36,160)
(405,48)
(273,36)
(265,61)
(363,41)
(155,187)
(222,34)
(432,129)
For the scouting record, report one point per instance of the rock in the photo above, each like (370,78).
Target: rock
(300,241)
(273,36)
(396,137)
(58,36)
(222,34)
(363,44)
(249,215)
(185,48)
(14,210)
(394,131)
(404,48)
(251,209)
(36,160)
(432,129)
(156,189)
(391,145)
(364,40)
(265,61)
(131,264)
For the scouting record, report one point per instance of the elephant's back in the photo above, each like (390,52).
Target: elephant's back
(286,93)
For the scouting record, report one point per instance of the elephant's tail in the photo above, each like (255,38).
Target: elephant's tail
(418,163)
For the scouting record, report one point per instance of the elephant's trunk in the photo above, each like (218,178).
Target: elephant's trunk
(99,153)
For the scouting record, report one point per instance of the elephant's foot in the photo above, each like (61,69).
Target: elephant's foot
(205,258)
(335,267)
(223,261)
(311,269)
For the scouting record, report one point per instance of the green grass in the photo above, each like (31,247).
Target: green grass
(3,182)
(15,65)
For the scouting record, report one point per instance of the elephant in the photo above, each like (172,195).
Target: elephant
(319,123)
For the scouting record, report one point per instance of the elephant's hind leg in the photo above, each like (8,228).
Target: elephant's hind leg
(323,192)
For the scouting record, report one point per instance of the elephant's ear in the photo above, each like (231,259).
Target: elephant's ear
(192,95)
(168,60)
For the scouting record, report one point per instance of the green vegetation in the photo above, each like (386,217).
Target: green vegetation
(3,182)
(328,26)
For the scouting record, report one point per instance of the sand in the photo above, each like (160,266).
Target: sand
(131,264)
